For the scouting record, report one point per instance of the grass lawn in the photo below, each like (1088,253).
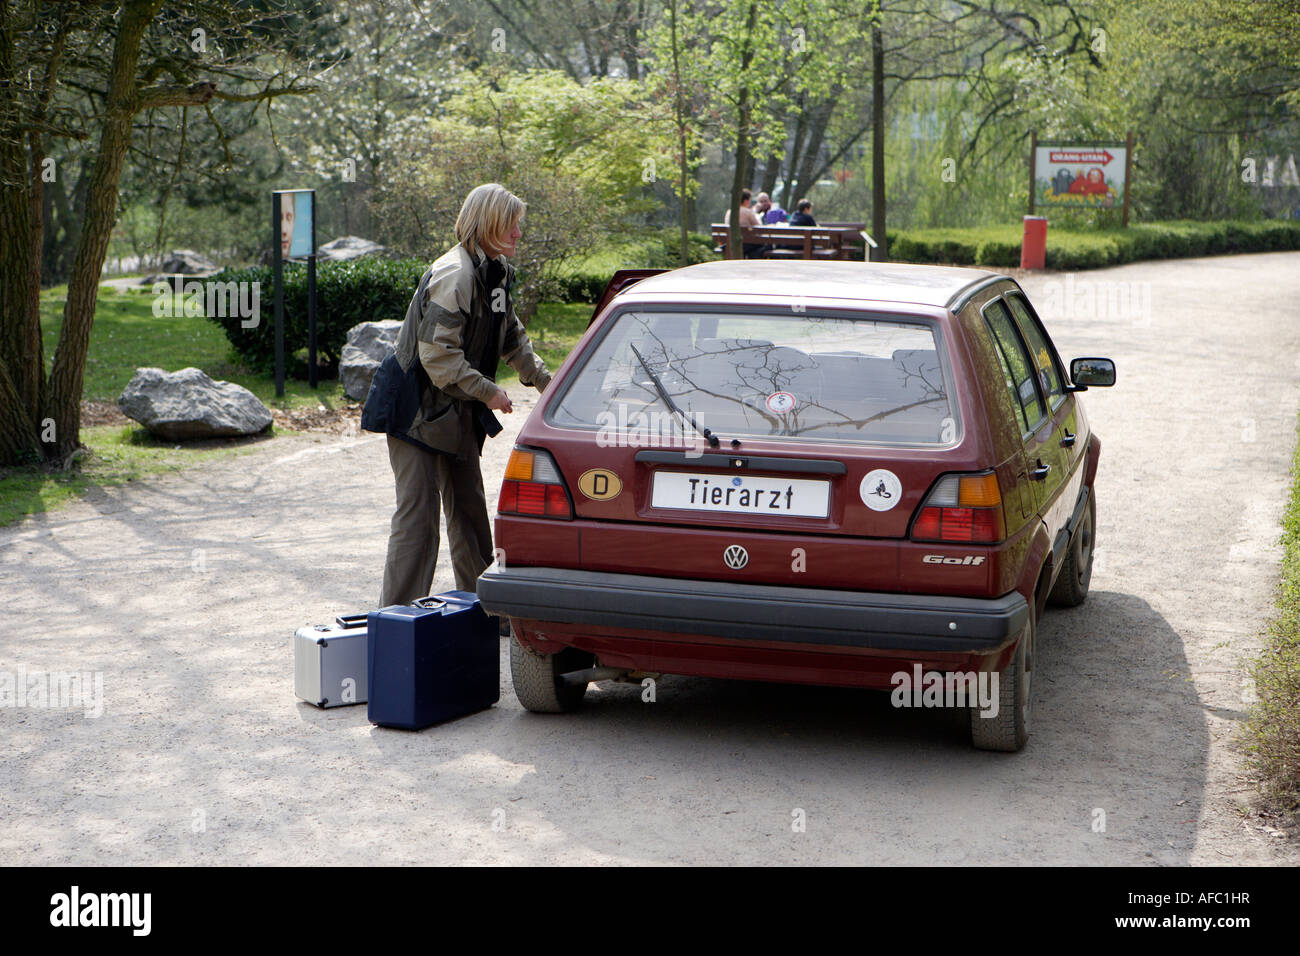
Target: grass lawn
(555,330)
(119,455)
(127,335)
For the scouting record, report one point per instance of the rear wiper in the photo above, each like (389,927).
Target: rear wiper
(711,438)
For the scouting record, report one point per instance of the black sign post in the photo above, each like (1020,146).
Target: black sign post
(311,299)
(278,269)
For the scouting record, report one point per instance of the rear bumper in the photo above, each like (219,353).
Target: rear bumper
(756,612)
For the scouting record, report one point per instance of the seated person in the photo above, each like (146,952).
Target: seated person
(803,214)
(748,217)
(770,213)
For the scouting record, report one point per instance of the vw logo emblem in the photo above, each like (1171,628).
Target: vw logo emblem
(735,557)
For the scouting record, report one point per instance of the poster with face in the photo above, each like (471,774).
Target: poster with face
(296,211)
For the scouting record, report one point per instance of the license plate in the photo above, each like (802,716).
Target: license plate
(741,494)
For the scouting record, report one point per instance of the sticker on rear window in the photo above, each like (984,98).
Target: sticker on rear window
(880,490)
(781,402)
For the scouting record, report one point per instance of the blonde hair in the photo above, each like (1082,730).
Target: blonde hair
(489,212)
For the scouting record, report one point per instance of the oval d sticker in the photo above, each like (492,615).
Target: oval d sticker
(600,484)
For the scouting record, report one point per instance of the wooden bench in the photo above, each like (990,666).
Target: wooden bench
(795,242)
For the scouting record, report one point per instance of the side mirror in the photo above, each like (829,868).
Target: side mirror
(1086,372)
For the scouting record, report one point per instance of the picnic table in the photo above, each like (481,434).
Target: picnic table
(830,241)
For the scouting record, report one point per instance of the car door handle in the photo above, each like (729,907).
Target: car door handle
(1069,439)
(1039,473)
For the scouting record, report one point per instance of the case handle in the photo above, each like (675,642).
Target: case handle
(439,600)
(351,620)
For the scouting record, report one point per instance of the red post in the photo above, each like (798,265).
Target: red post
(1033,248)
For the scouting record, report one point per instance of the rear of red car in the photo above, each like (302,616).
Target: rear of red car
(767,488)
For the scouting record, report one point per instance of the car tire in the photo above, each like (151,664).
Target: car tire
(1008,730)
(536,678)
(1071,586)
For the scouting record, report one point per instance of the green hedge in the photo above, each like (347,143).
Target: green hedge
(585,281)
(999,246)
(360,290)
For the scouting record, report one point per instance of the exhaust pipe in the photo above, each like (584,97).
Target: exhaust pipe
(594,674)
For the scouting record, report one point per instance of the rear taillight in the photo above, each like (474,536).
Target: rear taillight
(533,486)
(962,508)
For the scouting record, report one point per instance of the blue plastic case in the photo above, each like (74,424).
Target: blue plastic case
(435,660)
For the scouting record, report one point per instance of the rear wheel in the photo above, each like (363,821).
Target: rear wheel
(1072,585)
(536,678)
(1008,729)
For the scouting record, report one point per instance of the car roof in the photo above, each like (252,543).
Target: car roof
(875,281)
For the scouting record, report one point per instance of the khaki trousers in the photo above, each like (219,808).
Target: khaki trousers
(422,479)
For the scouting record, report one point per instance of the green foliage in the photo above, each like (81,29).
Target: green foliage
(1274,724)
(575,153)
(584,280)
(358,290)
(1095,249)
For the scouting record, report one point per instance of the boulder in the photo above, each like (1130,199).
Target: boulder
(368,345)
(184,262)
(347,247)
(189,404)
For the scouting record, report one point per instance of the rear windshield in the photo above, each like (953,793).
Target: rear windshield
(754,375)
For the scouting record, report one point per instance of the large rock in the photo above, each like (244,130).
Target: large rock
(347,247)
(188,262)
(368,345)
(188,404)
(185,262)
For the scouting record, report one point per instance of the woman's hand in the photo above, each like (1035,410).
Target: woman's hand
(500,402)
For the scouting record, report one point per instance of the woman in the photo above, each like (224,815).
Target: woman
(435,396)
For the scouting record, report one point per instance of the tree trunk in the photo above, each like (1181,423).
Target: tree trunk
(818,118)
(771,170)
(68,372)
(881,252)
(679,109)
(744,115)
(788,195)
(21,368)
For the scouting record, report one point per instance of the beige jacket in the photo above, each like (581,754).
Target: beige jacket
(447,323)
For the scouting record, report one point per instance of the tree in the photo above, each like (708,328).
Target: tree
(575,153)
(757,55)
(584,38)
(136,58)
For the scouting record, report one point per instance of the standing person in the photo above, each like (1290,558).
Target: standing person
(434,396)
(803,214)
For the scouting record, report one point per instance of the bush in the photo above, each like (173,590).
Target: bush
(360,290)
(999,246)
(586,280)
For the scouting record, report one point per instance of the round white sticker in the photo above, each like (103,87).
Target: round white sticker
(780,402)
(880,490)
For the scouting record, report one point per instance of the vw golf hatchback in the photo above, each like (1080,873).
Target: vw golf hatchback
(835,473)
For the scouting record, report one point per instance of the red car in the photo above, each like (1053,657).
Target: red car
(839,473)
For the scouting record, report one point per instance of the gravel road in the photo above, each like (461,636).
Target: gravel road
(184,593)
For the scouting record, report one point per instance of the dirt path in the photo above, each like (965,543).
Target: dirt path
(184,593)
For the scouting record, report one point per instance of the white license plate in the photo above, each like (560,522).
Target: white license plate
(741,494)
